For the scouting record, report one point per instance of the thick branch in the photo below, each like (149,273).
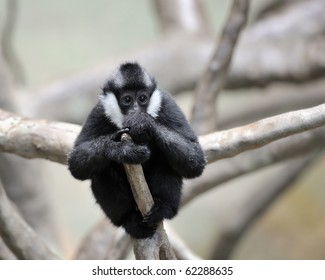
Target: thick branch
(53,140)
(231,142)
(204,110)
(222,171)
(18,235)
(36,138)
(258,64)
(302,19)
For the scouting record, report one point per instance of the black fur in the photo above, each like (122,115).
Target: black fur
(165,145)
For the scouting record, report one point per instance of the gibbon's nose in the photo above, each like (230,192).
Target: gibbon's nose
(136,107)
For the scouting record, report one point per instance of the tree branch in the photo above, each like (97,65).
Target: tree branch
(5,252)
(104,242)
(213,79)
(251,209)
(156,247)
(182,16)
(18,235)
(182,251)
(231,142)
(299,19)
(296,60)
(18,175)
(223,171)
(54,140)
(36,138)
(257,62)
(6,41)
(6,85)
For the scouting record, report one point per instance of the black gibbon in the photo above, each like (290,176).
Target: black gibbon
(163,142)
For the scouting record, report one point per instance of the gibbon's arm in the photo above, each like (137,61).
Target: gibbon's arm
(185,155)
(178,142)
(98,144)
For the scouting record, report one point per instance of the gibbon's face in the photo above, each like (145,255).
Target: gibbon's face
(134,101)
(129,90)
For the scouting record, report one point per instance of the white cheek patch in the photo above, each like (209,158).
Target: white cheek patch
(112,109)
(147,80)
(154,104)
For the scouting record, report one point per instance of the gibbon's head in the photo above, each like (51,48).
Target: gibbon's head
(130,88)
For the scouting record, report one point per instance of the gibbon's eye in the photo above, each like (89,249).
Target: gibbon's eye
(127,100)
(143,99)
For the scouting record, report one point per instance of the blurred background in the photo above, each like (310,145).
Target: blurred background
(53,44)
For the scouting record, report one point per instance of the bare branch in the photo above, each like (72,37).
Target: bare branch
(18,235)
(255,63)
(251,209)
(182,16)
(36,138)
(53,140)
(156,247)
(213,80)
(182,251)
(229,169)
(26,187)
(302,19)
(104,242)
(258,64)
(231,142)
(18,175)
(156,58)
